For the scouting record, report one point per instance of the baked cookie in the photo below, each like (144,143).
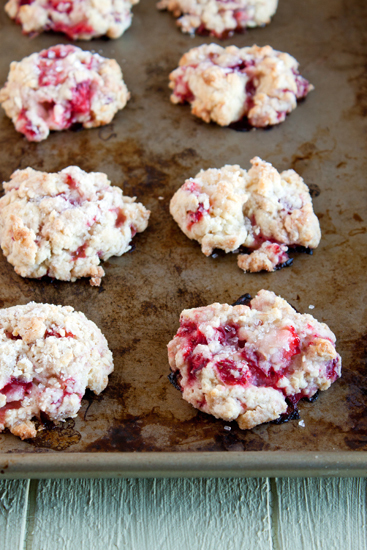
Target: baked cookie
(63,224)
(260,210)
(78,19)
(60,87)
(49,355)
(250,363)
(219,18)
(226,85)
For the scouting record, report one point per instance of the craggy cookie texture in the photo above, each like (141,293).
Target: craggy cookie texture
(63,224)
(250,363)
(227,84)
(261,210)
(78,19)
(220,18)
(49,355)
(60,87)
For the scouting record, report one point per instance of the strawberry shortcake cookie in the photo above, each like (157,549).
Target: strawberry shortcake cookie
(60,87)
(63,224)
(251,363)
(78,19)
(49,355)
(226,85)
(219,18)
(260,212)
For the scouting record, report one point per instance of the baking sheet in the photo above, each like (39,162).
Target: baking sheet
(149,150)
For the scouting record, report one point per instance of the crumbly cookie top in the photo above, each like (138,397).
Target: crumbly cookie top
(49,355)
(248,363)
(229,207)
(62,86)
(221,18)
(78,19)
(64,224)
(227,84)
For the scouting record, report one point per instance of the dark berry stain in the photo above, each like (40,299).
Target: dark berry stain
(242,125)
(314,190)
(174,378)
(243,300)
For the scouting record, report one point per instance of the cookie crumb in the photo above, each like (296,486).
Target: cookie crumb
(302,423)
(311,307)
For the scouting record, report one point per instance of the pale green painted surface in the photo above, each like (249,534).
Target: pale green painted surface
(184,514)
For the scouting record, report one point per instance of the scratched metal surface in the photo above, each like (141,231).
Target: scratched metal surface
(149,150)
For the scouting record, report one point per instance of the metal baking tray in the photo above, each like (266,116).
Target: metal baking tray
(140,426)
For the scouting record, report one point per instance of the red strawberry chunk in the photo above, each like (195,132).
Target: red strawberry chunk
(331,370)
(227,335)
(302,86)
(62,6)
(26,127)
(16,390)
(197,216)
(294,343)
(57,52)
(52,332)
(71,182)
(11,336)
(81,99)
(196,363)
(121,218)
(231,373)
(182,90)
(80,252)
(73,31)
(8,407)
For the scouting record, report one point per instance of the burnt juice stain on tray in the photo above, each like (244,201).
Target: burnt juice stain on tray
(314,189)
(56,437)
(77,127)
(356,380)
(230,441)
(243,300)
(91,398)
(301,250)
(200,433)
(125,435)
(174,378)
(287,263)
(292,412)
(239,440)
(242,125)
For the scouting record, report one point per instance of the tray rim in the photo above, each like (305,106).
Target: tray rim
(50,465)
